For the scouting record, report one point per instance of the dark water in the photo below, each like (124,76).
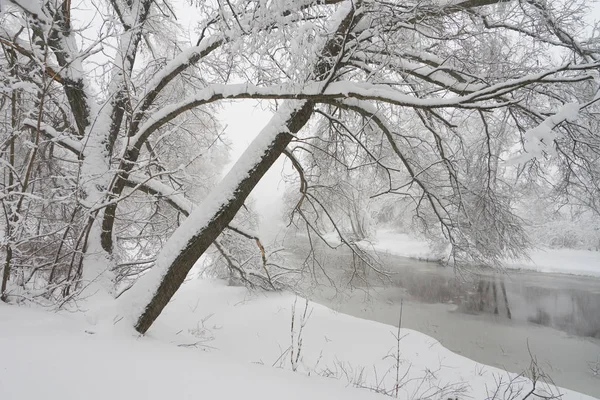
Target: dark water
(565,302)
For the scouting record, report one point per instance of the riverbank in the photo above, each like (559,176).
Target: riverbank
(556,314)
(489,339)
(561,261)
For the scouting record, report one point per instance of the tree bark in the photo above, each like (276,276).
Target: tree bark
(11,181)
(198,244)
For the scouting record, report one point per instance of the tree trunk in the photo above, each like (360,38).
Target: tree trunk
(503,287)
(11,181)
(197,245)
(6,273)
(286,125)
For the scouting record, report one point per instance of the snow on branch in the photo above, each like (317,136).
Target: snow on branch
(20,47)
(540,140)
(277,14)
(31,7)
(441,76)
(155,187)
(182,60)
(336,91)
(57,137)
(178,200)
(144,290)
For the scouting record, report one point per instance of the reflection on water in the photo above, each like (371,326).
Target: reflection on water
(571,310)
(569,303)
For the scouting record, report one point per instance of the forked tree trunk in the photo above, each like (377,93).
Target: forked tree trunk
(199,243)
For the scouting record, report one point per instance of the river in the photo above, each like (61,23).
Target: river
(494,318)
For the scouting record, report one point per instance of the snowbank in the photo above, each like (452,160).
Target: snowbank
(208,343)
(402,245)
(391,242)
(563,261)
(52,357)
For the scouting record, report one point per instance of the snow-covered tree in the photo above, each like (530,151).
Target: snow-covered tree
(449,90)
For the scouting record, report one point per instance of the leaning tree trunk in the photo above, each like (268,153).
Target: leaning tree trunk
(215,213)
(196,245)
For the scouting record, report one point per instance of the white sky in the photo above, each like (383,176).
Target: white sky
(244,120)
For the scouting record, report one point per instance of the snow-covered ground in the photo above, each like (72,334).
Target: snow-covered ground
(401,244)
(224,342)
(564,261)
(57,357)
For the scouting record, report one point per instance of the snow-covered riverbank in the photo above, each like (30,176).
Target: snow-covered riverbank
(562,261)
(223,342)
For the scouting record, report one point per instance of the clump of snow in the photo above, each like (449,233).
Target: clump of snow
(540,140)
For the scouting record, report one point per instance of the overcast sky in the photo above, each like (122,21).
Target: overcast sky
(244,119)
